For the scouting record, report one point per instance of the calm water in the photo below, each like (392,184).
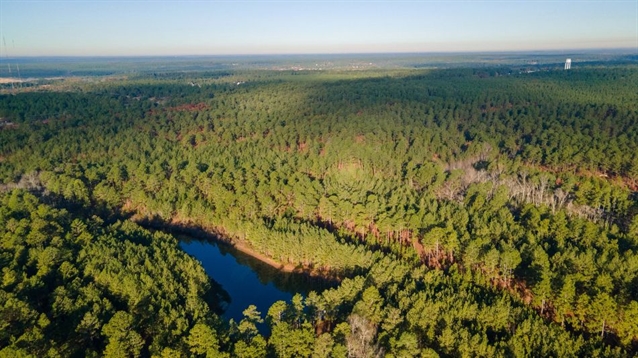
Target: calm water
(247,280)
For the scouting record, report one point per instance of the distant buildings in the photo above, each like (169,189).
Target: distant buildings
(568,64)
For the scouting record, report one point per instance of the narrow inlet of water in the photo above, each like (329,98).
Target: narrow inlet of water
(247,280)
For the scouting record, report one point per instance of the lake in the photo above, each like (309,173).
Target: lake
(248,280)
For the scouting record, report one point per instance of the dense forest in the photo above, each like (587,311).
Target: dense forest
(466,212)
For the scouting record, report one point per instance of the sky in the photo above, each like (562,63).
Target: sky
(208,27)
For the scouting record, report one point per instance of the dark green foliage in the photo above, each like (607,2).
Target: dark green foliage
(517,191)
(76,287)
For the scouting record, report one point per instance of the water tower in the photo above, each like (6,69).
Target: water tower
(568,64)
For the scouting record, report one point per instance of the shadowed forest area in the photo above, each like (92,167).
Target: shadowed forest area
(465,211)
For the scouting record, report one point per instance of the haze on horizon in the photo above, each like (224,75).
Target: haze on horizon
(201,27)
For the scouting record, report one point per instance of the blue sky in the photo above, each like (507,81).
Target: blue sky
(202,27)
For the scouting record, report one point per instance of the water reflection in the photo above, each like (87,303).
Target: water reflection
(248,280)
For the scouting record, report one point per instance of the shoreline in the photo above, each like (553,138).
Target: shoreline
(246,249)
(217,236)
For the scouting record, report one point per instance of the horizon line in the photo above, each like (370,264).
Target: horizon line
(444,52)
